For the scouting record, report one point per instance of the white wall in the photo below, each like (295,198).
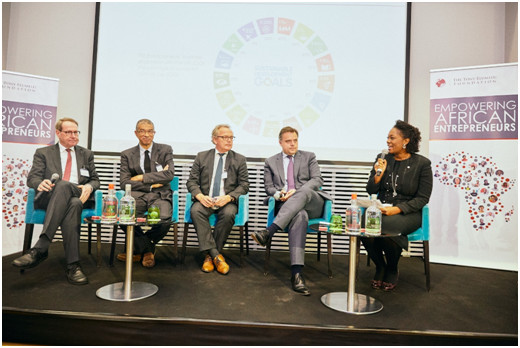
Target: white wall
(56,40)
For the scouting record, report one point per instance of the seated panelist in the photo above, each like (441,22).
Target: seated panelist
(404,179)
(217,178)
(293,178)
(148,167)
(63,200)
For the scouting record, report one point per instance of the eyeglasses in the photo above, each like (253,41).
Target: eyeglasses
(69,133)
(226,138)
(143,132)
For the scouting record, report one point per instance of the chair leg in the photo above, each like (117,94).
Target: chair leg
(319,245)
(113,246)
(267,256)
(175,241)
(241,229)
(329,253)
(184,240)
(27,239)
(98,243)
(89,238)
(247,237)
(426,251)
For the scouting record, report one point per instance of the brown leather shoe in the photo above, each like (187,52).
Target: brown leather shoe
(122,257)
(207,266)
(220,264)
(148,260)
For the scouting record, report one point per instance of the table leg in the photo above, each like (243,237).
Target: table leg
(127,291)
(350,302)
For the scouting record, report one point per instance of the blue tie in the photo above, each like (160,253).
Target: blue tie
(218,177)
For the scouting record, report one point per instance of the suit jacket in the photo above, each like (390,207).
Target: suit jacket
(414,184)
(236,183)
(47,161)
(306,173)
(161,154)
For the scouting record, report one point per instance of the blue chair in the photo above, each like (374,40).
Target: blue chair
(327,213)
(241,221)
(174,185)
(37,216)
(423,234)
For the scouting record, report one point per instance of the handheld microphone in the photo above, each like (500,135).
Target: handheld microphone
(383,154)
(54,178)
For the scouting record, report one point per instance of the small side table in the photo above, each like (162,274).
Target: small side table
(350,301)
(127,290)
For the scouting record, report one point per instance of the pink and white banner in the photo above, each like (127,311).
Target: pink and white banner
(474,152)
(29,108)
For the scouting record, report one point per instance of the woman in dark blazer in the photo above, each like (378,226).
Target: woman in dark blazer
(405,181)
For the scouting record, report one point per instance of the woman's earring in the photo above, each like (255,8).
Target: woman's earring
(404,146)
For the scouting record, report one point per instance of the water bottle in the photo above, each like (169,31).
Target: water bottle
(127,207)
(353,216)
(373,218)
(109,212)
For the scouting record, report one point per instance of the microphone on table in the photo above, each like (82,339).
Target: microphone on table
(54,178)
(383,154)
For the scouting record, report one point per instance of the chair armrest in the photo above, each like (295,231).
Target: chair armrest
(187,208)
(270,211)
(175,206)
(426,222)
(327,210)
(98,198)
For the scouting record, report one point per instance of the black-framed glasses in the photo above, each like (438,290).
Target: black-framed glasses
(143,132)
(69,133)
(226,138)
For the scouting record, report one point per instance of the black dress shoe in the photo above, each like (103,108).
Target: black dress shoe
(298,284)
(76,276)
(30,259)
(261,237)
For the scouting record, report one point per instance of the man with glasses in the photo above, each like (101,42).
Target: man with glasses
(217,178)
(64,176)
(148,167)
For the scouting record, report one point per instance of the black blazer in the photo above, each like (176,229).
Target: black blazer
(413,186)
(46,161)
(236,183)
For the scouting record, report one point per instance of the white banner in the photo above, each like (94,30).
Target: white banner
(474,152)
(29,108)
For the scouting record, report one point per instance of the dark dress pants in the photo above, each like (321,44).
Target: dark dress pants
(225,221)
(62,208)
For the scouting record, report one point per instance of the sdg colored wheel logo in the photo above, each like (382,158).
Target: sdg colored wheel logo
(271,73)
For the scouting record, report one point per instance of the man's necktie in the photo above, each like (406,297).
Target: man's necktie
(290,174)
(147,165)
(68,166)
(218,177)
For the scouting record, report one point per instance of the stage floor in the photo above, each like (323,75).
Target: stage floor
(465,305)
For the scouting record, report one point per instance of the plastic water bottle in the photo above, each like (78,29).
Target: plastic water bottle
(127,207)
(109,210)
(373,218)
(353,216)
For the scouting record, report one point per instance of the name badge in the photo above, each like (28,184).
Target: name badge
(224,175)
(158,167)
(84,172)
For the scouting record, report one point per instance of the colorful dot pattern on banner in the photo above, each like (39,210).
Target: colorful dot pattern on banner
(14,190)
(483,183)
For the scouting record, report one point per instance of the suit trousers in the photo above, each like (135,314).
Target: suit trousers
(62,208)
(145,242)
(294,214)
(225,221)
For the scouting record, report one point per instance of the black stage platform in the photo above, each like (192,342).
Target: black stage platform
(466,306)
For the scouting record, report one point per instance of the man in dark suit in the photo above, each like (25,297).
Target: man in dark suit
(217,178)
(293,178)
(148,167)
(64,200)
